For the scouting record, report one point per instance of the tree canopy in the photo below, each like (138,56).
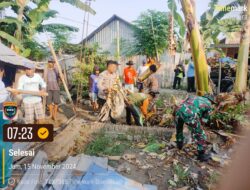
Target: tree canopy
(151,32)
(213,23)
(20,31)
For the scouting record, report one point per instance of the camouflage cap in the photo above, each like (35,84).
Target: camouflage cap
(210,97)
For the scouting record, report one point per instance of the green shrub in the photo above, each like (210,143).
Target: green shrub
(85,68)
(106,145)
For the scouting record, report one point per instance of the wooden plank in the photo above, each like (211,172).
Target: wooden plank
(35,93)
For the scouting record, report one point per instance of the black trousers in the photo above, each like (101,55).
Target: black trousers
(132,110)
(101,102)
(140,86)
(191,84)
(177,81)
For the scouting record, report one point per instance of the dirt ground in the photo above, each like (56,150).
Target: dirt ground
(169,168)
(165,166)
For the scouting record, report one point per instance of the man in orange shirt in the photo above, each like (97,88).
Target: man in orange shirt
(130,76)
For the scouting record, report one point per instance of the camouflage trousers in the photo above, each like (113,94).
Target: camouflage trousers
(194,124)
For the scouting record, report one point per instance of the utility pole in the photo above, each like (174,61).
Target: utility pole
(156,50)
(87,29)
(82,56)
(83,30)
(118,40)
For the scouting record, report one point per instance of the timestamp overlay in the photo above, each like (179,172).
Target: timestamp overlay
(23,133)
(28,133)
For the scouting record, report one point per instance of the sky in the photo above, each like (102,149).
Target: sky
(126,9)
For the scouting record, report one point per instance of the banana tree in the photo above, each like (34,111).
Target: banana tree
(243,55)
(201,67)
(213,23)
(5,35)
(31,20)
(8,37)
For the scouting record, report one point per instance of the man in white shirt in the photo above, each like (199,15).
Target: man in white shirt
(140,71)
(33,106)
(142,68)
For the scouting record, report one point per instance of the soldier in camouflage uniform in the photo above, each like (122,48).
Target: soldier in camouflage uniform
(194,112)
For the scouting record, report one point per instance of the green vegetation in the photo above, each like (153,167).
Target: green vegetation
(213,23)
(182,173)
(181,176)
(106,145)
(179,26)
(160,102)
(230,118)
(20,31)
(151,31)
(85,68)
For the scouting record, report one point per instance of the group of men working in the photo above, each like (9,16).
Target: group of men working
(194,111)
(137,103)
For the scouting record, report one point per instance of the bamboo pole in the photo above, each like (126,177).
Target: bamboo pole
(34,93)
(200,62)
(61,74)
(241,72)
(156,50)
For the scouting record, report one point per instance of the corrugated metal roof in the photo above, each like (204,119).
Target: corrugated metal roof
(7,55)
(114,17)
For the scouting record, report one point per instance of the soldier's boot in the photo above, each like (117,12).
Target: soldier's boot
(179,144)
(203,157)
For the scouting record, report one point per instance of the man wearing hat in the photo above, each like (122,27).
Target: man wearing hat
(53,99)
(31,81)
(129,76)
(106,81)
